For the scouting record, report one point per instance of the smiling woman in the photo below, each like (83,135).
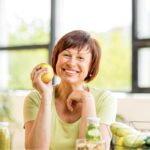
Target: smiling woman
(74,64)
(61,111)
(85,48)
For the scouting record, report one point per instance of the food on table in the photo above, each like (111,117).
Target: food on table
(128,137)
(93,138)
(92,131)
(4,136)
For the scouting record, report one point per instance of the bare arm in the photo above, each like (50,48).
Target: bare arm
(89,110)
(88,107)
(106,134)
(38,132)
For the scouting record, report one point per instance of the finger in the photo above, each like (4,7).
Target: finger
(37,77)
(32,74)
(49,83)
(36,68)
(69,106)
(39,73)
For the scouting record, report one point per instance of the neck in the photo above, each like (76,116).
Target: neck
(64,90)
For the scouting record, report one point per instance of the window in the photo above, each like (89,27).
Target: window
(24,22)
(24,40)
(121,27)
(141,46)
(20,63)
(143,67)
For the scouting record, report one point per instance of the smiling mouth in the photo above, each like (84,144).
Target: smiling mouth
(70,71)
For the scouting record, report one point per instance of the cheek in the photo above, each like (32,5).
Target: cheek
(86,68)
(59,61)
(58,64)
(88,65)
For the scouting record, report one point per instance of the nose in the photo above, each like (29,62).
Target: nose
(72,61)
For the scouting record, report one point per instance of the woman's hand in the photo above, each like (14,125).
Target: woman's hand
(37,83)
(78,96)
(88,107)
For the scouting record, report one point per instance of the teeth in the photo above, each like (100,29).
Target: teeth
(70,71)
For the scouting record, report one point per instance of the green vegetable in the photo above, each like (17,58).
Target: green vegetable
(147,141)
(134,140)
(92,133)
(4,139)
(91,126)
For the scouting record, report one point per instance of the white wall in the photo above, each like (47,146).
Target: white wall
(136,110)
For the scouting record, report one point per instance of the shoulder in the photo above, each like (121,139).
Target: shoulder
(32,98)
(106,105)
(33,94)
(102,95)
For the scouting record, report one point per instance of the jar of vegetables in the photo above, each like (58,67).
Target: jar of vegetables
(4,136)
(93,129)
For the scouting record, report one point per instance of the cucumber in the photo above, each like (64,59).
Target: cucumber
(134,140)
(93,135)
(147,141)
(91,126)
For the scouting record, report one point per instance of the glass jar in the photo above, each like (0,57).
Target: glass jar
(93,140)
(82,144)
(4,136)
(93,129)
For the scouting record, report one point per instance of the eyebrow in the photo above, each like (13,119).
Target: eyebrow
(66,50)
(79,52)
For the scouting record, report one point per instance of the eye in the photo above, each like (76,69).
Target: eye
(66,55)
(81,58)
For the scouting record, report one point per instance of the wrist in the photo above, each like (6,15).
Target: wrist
(88,108)
(88,100)
(46,97)
(46,93)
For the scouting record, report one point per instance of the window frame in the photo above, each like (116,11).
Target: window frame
(137,44)
(48,46)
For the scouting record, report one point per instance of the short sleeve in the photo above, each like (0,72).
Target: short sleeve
(31,106)
(107,107)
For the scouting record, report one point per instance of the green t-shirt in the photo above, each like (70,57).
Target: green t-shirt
(64,134)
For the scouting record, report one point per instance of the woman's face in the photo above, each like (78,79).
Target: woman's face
(73,65)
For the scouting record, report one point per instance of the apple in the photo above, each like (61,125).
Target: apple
(47,77)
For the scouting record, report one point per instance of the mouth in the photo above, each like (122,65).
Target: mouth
(70,71)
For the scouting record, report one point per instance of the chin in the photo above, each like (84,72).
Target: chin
(70,81)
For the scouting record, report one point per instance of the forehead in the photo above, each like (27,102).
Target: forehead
(83,50)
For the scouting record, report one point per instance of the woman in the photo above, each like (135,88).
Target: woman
(56,115)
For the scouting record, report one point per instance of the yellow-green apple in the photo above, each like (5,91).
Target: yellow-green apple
(47,77)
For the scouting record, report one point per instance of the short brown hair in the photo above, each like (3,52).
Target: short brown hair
(79,39)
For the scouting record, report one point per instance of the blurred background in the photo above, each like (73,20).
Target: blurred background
(29,30)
